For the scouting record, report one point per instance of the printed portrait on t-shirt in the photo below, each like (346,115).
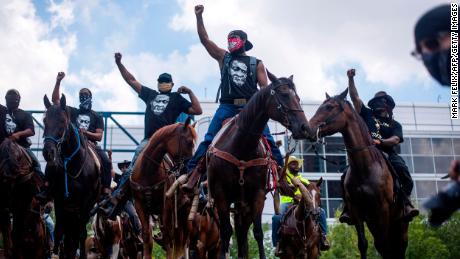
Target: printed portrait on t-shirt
(10,125)
(238,72)
(83,121)
(159,104)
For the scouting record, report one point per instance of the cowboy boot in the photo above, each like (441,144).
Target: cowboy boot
(194,176)
(324,244)
(410,212)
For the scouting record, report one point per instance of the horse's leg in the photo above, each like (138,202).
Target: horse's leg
(146,231)
(398,239)
(225,231)
(362,241)
(83,235)
(259,235)
(243,221)
(58,230)
(5,222)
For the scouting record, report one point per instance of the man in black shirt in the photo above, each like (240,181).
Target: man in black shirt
(91,125)
(3,111)
(18,125)
(163,108)
(240,75)
(386,134)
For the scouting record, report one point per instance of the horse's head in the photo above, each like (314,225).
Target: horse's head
(284,106)
(315,191)
(181,143)
(56,122)
(331,116)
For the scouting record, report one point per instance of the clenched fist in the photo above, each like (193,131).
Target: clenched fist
(117,57)
(351,73)
(60,76)
(199,9)
(184,90)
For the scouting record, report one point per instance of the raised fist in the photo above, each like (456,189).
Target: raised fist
(184,90)
(351,73)
(118,57)
(199,9)
(60,76)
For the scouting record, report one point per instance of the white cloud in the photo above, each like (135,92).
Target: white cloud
(309,39)
(31,56)
(62,13)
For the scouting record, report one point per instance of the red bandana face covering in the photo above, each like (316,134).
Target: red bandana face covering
(235,44)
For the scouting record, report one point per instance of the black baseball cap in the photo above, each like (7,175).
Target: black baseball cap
(431,23)
(165,78)
(123,164)
(244,36)
(382,94)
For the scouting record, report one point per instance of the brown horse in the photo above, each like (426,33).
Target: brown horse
(75,173)
(152,176)
(368,185)
(299,236)
(22,184)
(237,164)
(130,246)
(203,229)
(105,243)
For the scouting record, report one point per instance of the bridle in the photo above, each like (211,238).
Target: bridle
(280,106)
(66,160)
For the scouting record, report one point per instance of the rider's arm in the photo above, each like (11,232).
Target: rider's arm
(94,136)
(357,102)
(195,109)
(261,74)
(127,76)
(55,96)
(389,142)
(213,50)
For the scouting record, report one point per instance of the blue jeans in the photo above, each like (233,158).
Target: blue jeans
(125,177)
(49,226)
(276,222)
(224,112)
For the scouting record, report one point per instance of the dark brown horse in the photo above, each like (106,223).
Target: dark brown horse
(237,163)
(22,184)
(368,185)
(131,246)
(152,176)
(75,175)
(299,236)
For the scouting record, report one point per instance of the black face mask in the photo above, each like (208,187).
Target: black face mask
(12,102)
(85,102)
(438,64)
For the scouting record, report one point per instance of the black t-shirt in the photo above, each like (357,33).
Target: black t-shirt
(382,128)
(237,81)
(3,112)
(89,120)
(162,109)
(16,121)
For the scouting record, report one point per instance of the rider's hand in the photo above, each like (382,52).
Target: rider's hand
(184,90)
(118,57)
(454,170)
(60,76)
(199,9)
(297,198)
(82,131)
(351,73)
(377,142)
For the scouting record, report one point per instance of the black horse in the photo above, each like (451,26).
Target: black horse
(75,175)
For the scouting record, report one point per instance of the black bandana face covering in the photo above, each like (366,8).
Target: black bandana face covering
(438,64)
(85,102)
(12,101)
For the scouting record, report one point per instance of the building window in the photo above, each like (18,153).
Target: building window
(405,147)
(335,145)
(336,163)
(456,142)
(425,189)
(421,146)
(312,163)
(442,146)
(334,189)
(423,165)
(442,163)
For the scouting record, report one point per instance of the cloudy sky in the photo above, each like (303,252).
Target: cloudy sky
(314,40)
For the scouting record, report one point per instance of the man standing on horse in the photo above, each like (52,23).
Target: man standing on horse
(163,108)
(91,125)
(386,134)
(292,171)
(18,125)
(240,75)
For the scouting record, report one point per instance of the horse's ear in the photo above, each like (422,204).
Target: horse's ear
(63,102)
(291,78)
(344,94)
(187,122)
(319,182)
(46,101)
(327,96)
(272,77)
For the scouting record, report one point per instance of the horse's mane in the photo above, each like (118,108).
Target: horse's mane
(250,109)
(376,154)
(167,131)
(7,156)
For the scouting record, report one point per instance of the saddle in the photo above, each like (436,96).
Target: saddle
(93,154)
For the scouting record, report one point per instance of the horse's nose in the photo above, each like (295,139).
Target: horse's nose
(306,130)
